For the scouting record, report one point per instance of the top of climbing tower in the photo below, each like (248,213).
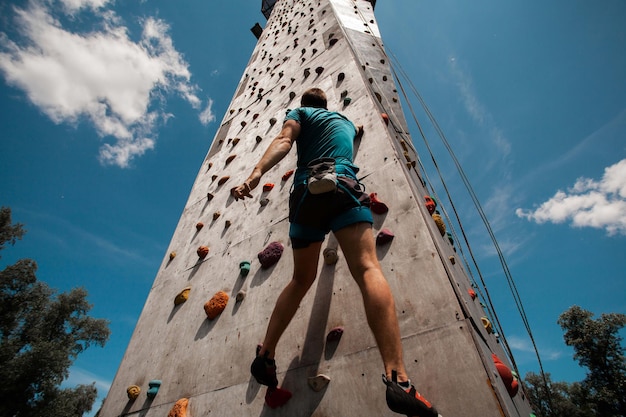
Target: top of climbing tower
(268,5)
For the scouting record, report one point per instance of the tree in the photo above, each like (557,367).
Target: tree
(41,334)
(562,400)
(597,347)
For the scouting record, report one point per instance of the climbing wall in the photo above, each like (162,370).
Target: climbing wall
(212,297)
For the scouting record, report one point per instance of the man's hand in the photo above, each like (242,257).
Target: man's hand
(242,191)
(359,132)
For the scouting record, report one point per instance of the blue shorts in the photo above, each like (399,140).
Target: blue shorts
(312,216)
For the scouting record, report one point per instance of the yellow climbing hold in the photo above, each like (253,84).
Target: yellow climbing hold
(182,296)
(133,392)
(439,222)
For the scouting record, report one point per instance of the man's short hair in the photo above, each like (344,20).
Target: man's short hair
(314,97)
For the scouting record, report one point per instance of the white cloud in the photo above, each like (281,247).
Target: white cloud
(524,345)
(79,376)
(589,203)
(207,116)
(101,76)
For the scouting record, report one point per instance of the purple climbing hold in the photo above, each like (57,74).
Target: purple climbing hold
(334,335)
(384,236)
(271,254)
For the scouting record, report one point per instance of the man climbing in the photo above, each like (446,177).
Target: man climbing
(328,196)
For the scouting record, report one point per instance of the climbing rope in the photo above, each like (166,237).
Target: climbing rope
(511,283)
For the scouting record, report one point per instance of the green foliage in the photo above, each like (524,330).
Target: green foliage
(597,347)
(41,334)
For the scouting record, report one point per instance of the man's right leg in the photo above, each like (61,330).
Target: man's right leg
(305,262)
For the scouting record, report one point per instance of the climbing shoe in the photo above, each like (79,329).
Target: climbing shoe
(407,400)
(263,370)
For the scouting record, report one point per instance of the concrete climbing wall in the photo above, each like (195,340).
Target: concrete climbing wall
(334,45)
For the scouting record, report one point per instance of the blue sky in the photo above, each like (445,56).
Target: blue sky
(109,108)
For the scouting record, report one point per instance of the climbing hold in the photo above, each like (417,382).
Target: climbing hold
(227,224)
(199,226)
(276,397)
(307,72)
(153,389)
(332,41)
(259,139)
(378,97)
(319,70)
(254,116)
(341,76)
(452,260)
(487,324)
(223,180)
(172,255)
(450,239)
(216,215)
(244,268)
(243,123)
(240,296)
(273,121)
(271,254)
(268,187)
(182,296)
(179,409)
(376,205)
(439,222)
(346,101)
(202,252)
(292,95)
(385,117)
(287,174)
(264,201)
(133,392)
(318,382)
(504,371)
(268,101)
(330,256)
(344,93)
(472,293)
(213,177)
(334,335)
(384,236)
(216,305)
(230,159)
(236,141)
(430,204)
(209,196)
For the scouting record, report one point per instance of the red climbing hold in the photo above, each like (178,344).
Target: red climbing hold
(430,205)
(277,397)
(384,236)
(268,187)
(376,205)
(472,293)
(385,117)
(287,174)
(202,252)
(271,254)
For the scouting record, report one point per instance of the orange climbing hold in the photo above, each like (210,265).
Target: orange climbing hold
(202,252)
(507,375)
(179,409)
(268,187)
(172,255)
(216,305)
(487,324)
(287,175)
(385,117)
(376,205)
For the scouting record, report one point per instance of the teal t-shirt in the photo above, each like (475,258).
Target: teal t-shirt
(323,134)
